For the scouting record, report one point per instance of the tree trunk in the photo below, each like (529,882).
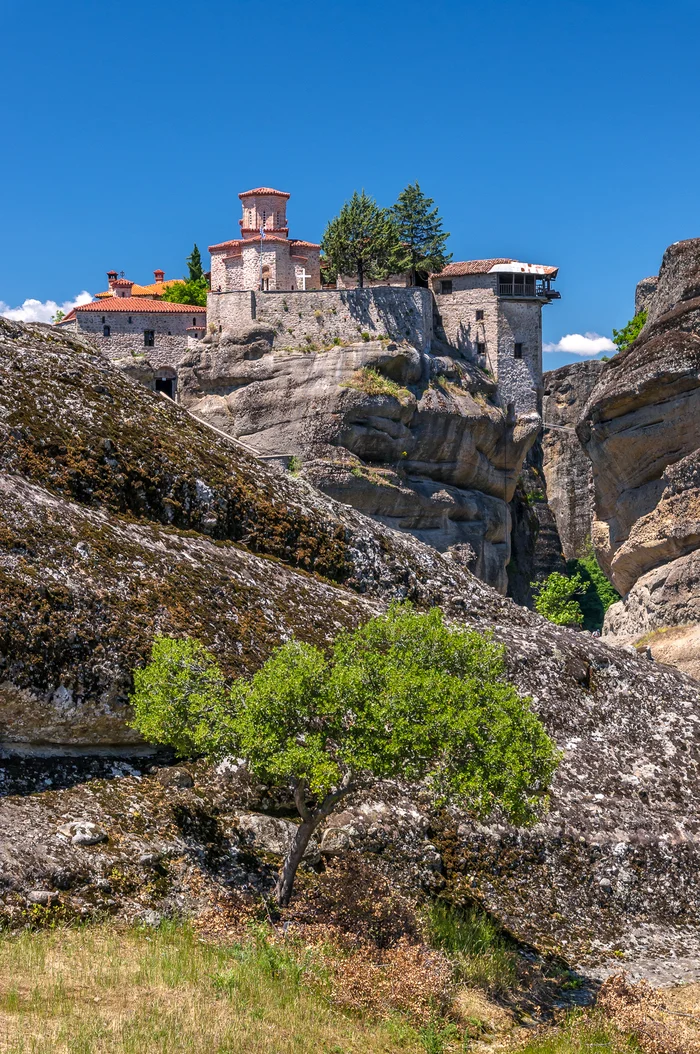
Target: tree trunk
(285,879)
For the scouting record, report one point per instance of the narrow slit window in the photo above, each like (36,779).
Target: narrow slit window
(518,351)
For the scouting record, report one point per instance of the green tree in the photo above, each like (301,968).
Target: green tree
(360,240)
(555,598)
(194,262)
(187,292)
(58,317)
(404,696)
(421,237)
(626,336)
(599,592)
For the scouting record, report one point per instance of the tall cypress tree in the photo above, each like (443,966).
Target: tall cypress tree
(194,262)
(360,240)
(421,237)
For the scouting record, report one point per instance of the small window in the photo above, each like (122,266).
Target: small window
(106,331)
(149,338)
(481,349)
(103,320)
(480,316)
(518,351)
(194,321)
(130,320)
(446,285)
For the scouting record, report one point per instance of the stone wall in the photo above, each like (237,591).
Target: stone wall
(457,312)
(127,339)
(520,380)
(315,318)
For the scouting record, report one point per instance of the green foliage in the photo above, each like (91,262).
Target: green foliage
(58,317)
(194,263)
(361,240)
(371,382)
(422,241)
(626,336)
(599,594)
(295,465)
(404,695)
(483,955)
(187,292)
(555,598)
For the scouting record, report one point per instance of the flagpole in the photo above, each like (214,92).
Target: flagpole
(262,235)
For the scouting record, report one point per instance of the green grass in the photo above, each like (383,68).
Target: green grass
(371,382)
(483,956)
(104,990)
(579,1037)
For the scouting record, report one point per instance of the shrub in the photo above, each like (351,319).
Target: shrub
(599,592)
(371,382)
(365,336)
(295,465)
(555,598)
(629,333)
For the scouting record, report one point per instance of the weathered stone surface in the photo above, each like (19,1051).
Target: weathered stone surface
(644,293)
(433,457)
(121,516)
(566,465)
(272,834)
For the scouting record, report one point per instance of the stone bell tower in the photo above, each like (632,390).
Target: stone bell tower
(266,208)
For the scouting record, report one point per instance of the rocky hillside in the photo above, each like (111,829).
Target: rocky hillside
(413,440)
(122,516)
(641,430)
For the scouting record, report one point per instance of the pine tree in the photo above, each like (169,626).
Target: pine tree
(361,240)
(194,262)
(421,237)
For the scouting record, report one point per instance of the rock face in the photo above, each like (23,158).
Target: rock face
(641,429)
(122,516)
(567,468)
(644,293)
(410,439)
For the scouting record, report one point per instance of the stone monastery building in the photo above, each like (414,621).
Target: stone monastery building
(490,311)
(265,257)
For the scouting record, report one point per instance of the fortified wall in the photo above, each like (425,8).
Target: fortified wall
(320,317)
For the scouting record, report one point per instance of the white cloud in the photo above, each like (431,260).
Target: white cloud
(582,344)
(41,310)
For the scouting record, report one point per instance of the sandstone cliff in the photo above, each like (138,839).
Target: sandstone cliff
(641,429)
(122,516)
(567,468)
(412,440)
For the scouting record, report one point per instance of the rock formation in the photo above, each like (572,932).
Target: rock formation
(641,429)
(644,293)
(567,468)
(121,516)
(412,440)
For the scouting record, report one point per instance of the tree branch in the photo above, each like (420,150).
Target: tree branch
(300,800)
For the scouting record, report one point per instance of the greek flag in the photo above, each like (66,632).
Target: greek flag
(262,233)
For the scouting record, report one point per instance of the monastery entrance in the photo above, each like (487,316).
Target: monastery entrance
(167,383)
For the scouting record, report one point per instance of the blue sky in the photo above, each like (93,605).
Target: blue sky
(563,133)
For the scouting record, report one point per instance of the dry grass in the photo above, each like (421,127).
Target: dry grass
(99,989)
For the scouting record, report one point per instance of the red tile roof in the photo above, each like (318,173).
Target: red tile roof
(144,290)
(263,190)
(139,305)
(464,267)
(294,242)
(226,245)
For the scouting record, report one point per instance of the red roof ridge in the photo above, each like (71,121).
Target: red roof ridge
(139,305)
(264,190)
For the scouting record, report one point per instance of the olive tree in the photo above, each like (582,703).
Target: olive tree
(404,696)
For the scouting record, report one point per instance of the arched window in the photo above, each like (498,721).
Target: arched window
(106,331)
